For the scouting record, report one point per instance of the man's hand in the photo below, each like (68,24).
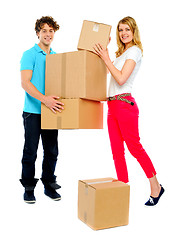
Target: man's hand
(50,101)
(53,103)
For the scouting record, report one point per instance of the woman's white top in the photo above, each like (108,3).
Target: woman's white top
(135,54)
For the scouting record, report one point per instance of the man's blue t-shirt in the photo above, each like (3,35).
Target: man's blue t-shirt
(34,59)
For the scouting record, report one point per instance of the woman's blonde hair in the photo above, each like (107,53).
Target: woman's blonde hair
(136,35)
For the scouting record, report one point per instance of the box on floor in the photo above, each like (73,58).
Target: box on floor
(103,203)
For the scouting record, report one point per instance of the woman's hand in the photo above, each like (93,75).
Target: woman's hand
(101,52)
(121,76)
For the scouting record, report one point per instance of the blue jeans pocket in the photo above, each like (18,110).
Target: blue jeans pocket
(25,115)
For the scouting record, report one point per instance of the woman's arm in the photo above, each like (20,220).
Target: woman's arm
(120,76)
(50,101)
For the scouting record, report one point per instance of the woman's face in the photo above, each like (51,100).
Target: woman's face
(125,33)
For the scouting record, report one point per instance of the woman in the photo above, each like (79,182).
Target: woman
(123,111)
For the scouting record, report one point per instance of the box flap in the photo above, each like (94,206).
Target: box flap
(97,180)
(103,183)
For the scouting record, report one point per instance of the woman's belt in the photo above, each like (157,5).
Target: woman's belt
(120,98)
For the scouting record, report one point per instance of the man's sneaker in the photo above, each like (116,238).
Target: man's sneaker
(51,193)
(29,197)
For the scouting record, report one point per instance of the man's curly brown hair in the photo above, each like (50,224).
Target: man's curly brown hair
(43,20)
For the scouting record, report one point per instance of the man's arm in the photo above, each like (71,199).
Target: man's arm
(50,101)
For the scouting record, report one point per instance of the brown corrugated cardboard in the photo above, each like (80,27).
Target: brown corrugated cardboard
(92,33)
(103,203)
(77,114)
(79,74)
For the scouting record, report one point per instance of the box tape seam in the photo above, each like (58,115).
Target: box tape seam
(63,75)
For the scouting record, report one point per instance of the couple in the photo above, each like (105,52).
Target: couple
(123,111)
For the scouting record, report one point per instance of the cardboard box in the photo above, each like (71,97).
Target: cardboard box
(103,203)
(92,33)
(79,74)
(77,114)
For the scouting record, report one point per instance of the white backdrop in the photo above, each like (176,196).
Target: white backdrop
(86,154)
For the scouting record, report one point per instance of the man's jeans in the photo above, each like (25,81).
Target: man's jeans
(33,131)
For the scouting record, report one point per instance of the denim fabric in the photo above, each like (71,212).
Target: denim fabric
(33,131)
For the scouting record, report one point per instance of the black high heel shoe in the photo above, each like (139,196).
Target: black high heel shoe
(154,200)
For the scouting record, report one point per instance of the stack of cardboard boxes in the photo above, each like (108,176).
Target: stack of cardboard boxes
(79,79)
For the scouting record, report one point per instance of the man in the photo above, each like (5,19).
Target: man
(33,82)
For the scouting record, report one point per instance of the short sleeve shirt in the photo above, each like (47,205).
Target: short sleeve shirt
(135,54)
(34,59)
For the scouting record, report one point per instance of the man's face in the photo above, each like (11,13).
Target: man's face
(46,35)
